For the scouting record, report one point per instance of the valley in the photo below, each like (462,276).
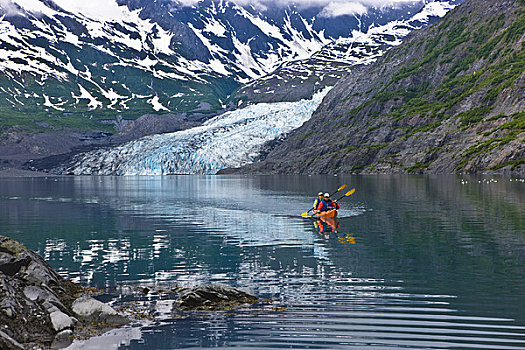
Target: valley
(406,98)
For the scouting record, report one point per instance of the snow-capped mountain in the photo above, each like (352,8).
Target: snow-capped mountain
(237,138)
(73,63)
(299,79)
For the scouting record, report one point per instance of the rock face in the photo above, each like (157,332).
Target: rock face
(35,300)
(212,297)
(36,304)
(449,99)
(151,124)
(17,147)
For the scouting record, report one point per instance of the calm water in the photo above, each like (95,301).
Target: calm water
(417,262)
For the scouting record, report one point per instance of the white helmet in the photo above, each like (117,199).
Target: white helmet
(327,194)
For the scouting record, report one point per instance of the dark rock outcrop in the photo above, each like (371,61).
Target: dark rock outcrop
(43,151)
(35,302)
(212,297)
(18,147)
(38,306)
(151,124)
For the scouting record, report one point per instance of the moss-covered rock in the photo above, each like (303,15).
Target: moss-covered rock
(212,297)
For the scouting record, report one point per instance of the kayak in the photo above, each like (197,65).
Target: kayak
(327,214)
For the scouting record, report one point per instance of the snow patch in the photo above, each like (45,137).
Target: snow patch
(216,28)
(218,67)
(36,7)
(157,106)
(84,94)
(433,9)
(48,103)
(104,10)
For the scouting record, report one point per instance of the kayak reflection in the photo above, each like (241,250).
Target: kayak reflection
(326,225)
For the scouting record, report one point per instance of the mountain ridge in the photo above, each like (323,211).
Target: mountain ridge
(334,60)
(107,63)
(75,70)
(449,99)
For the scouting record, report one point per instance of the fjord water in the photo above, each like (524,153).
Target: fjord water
(417,262)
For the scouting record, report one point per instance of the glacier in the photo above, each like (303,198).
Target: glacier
(230,140)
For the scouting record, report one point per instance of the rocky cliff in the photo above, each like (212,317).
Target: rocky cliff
(39,308)
(450,99)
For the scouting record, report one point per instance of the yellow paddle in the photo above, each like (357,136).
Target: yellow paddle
(346,194)
(339,189)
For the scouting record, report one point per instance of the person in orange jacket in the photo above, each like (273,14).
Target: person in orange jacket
(326,204)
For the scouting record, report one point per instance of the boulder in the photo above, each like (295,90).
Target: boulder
(211,297)
(61,321)
(6,342)
(34,300)
(91,310)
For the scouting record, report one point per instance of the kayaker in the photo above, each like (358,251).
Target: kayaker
(326,204)
(318,200)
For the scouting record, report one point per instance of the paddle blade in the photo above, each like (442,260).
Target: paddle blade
(347,194)
(339,189)
(304,214)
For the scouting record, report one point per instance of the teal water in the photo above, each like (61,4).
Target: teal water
(417,262)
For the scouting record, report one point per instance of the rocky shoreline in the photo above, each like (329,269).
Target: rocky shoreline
(6,172)
(24,153)
(39,309)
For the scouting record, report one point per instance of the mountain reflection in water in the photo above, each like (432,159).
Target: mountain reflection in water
(414,261)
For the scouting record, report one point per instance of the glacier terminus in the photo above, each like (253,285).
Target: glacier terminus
(230,140)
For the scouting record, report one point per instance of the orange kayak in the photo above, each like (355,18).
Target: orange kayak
(327,214)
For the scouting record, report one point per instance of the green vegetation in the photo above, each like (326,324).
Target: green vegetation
(358,167)
(470,59)
(28,111)
(514,127)
(417,167)
(455,87)
(513,164)
(473,116)
(424,128)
